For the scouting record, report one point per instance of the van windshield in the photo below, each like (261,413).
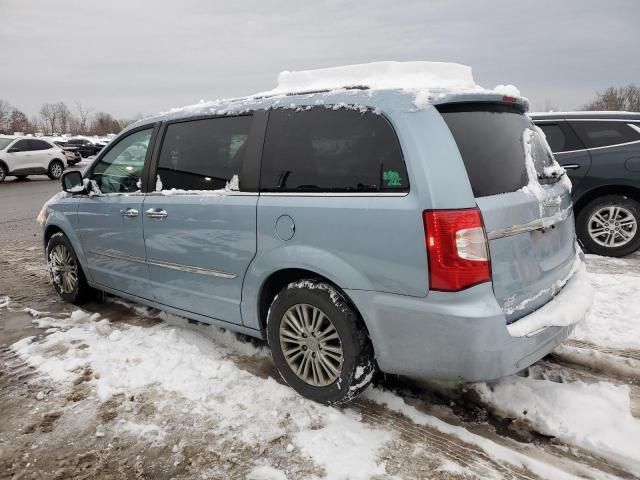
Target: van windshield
(490,139)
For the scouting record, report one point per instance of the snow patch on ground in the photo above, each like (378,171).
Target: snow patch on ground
(596,417)
(614,320)
(129,359)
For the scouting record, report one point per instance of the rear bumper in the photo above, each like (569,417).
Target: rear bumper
(461,336)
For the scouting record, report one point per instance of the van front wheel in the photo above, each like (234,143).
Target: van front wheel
(319,343)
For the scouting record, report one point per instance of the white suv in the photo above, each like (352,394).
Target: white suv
(20,157)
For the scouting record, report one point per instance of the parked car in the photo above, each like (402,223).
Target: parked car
(86,147)
(21,157)
(601,153)
(351,230)
(71,152)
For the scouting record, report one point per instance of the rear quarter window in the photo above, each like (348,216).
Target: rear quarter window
(560,137)
(489,137)
(326,150)
(604,133)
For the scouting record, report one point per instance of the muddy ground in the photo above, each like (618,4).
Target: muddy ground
(51,431)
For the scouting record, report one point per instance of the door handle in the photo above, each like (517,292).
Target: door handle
(157,213)
(571,166)
(129,212)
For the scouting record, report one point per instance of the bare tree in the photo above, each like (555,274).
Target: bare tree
(104,123)
(48,113)
(35,124)
(621,98)
(18,122)
(5,112)
(83,114)
(63,115)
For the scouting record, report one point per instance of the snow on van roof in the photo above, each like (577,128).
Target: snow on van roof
(427,82)
(379,75)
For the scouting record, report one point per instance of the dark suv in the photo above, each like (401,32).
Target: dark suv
(85,147)
(601,153)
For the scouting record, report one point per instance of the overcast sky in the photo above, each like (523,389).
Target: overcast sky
(135,56)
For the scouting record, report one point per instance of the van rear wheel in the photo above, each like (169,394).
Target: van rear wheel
(610,226)
(319,343)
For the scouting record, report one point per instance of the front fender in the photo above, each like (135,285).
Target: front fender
(63,215)
(321,262)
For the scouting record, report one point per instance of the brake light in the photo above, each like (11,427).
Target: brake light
(508,99)
(457,249)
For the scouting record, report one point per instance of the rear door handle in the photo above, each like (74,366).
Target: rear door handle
(571,166)
(129,212)
(157,213)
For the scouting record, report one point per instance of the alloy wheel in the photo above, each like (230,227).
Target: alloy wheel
(311,345)
(612,226)
(64,270)
(56,170)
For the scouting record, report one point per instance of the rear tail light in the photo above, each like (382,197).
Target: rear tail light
(457,249)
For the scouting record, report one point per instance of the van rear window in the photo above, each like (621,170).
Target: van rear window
(326,150)
(489,137)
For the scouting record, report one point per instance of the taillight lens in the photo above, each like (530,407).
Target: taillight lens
(457,249)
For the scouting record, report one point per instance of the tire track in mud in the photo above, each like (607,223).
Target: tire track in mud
(471,457)
(622,353)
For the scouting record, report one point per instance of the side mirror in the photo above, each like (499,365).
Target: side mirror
(72,182)
(13,150)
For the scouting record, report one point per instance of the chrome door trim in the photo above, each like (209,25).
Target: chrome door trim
(117,255)
(538,224)
(333,194)
(571,166)
(159,263)
(192,269)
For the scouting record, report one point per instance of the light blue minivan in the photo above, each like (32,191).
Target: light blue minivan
(350,228)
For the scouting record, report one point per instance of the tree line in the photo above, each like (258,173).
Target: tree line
(59,118)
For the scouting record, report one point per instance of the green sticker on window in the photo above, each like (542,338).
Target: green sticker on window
(392,178)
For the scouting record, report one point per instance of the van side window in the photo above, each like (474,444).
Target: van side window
(203,154)
(120,169)
(603,134)
(326,150)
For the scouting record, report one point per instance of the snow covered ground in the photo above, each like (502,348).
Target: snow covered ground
(195,401)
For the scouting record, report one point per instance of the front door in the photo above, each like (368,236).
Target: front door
(22,159)
(200,227)
(569,151)
(110,218)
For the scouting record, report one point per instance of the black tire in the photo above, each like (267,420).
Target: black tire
(55,170)
(590,244)
(358,365)
(81,290)
(3,172)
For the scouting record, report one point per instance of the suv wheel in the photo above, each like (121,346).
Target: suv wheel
(65,270)
(56,168)
(319,344)
(3,172)
(609,226)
